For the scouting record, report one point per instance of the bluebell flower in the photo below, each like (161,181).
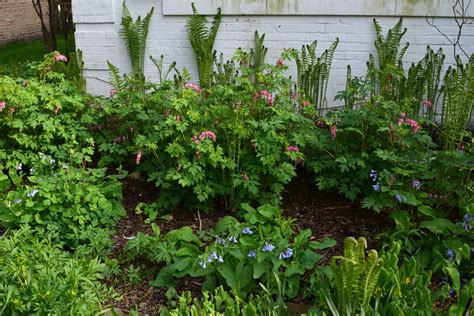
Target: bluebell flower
(268,247)
(452,292)
(288,253)
(373,175)
(450,254)
(52,161)
(400,198)
(18,201)
(212,256)
(19,167)
(376,187)
(247,231)
(202,263)
(252,254)
(416,184)
(232,239)
(220,241)
(32,193)
(32,170)
(468,217)
(467,227)
(220,259)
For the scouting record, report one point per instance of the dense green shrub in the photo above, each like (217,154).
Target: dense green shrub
(76,205)
(38,278)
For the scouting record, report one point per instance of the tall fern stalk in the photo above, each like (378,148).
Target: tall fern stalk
(135,34)
(202,41)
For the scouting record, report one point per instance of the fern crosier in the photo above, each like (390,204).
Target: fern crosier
(202,41)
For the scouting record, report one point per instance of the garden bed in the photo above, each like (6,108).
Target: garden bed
(327,214)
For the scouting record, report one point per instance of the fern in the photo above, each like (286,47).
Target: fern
(258,55)
(135,34)
(226,72)
(118,82)
(355,276)
(313,72)
(457,103)
(202,41)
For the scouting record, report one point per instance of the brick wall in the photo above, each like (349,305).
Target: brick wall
(19,20)
(98,23)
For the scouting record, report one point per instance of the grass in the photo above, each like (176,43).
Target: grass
(15,55)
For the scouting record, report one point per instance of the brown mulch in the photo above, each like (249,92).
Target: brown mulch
(326,214)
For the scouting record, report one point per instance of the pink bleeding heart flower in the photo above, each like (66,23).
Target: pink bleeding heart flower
(427,103)
(113,92)
(60,57)
(139,157)
(3,104)
(192,86)
(208,134)
(333,131)
(292,149)
(264,94)
(280,63)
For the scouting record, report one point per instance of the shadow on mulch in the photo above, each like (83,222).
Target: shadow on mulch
(328,215)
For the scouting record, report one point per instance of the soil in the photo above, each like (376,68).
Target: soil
(328,215)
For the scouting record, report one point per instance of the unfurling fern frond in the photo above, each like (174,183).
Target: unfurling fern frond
(135,34)
(202,41)
(159,65)
(258,55)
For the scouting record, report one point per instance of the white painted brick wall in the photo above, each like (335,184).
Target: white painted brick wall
(98,23)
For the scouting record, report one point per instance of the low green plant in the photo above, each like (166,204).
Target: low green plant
(38,277)
(355,277)
(79,206)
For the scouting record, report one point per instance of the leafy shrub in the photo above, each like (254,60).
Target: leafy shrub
(37,116)
(80,206)
(37,277)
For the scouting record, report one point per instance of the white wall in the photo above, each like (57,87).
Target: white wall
(98,23)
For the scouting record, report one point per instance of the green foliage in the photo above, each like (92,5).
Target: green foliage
(221,302)
(457,104)
(135,34)
(313,73)
(37,277)
(80,207)
(202,41)
(355,276)
(159,65)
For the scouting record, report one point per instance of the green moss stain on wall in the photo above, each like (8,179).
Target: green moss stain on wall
(410,7)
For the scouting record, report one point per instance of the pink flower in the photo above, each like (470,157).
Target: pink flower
(139,157)
(320,123)
(192,86)
(266,95)
(306,103)
(113,92)
(3,104)
(245,177)
(195,139)
(427,103)
(402,115)
(295,96)
(60,57)
(400,122)
(333,131)
(198,155)
(280,63)
(292,148)
(414,125)
(208,134)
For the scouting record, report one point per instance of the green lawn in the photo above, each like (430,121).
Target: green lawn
(15,55)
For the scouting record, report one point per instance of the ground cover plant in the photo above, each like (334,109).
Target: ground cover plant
(243,194)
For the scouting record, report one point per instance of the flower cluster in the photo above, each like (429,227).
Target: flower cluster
(3,104)
(416,184)
(412,123)
(292,149)
(192,86)
(467,222)
(139,157)
(265,95)
(33,193)
(333,131)
(60,57)
(374,176)
(288,253)
(207,134)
